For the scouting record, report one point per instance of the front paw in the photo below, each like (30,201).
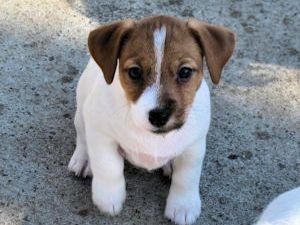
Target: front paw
(108,198)
(183,209)
(79,163)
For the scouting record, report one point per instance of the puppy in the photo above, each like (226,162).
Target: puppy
(142,97)
(283,210)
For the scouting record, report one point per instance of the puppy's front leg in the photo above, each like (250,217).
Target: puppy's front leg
(183,203)
(108,185)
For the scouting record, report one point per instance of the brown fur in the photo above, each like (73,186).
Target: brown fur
(187,42)
(217,43)
(104,44)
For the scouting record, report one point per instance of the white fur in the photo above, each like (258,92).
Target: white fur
(140,110)
(105,121)
(159,37)
(283,210)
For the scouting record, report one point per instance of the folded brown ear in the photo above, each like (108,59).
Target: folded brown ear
(217,44)
(104,45)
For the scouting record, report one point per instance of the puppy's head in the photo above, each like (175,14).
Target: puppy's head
(160,64)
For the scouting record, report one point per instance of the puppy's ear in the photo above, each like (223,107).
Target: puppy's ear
(105,43)
(217,44)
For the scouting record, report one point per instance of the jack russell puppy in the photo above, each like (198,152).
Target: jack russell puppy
(142,97)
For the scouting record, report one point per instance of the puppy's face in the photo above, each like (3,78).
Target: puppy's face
(160,65)
(160,71)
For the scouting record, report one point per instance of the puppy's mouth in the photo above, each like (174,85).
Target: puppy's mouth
(165,130)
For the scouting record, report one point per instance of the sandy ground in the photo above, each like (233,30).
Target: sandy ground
(253,144)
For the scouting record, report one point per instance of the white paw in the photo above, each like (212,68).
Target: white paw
(183,210)
(79,163)
(168,169)
(109,199)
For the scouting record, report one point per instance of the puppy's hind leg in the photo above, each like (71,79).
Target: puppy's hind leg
(79,163)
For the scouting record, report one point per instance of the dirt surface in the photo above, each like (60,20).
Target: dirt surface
(253,144)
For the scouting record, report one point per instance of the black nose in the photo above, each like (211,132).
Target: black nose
(159,117)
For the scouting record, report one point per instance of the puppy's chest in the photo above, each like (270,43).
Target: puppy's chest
(144,160)
(147,151)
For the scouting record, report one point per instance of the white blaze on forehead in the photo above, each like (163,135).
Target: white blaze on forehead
(159,36)
(149,98)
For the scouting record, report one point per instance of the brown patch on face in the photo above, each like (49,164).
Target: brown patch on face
(181,50)
(138,51)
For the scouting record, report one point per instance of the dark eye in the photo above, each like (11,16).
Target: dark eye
(135,73)
(185,74)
